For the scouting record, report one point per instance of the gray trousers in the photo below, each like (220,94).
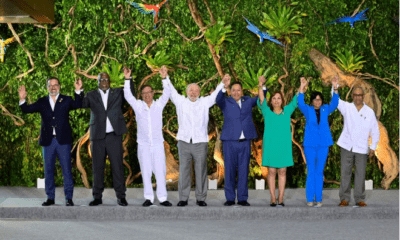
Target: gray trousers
(348,160)
(197,152)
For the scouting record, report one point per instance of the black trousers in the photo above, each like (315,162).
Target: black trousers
(111,145)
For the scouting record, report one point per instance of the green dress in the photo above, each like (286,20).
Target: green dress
(277,140)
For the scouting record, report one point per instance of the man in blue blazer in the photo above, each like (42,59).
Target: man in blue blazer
(237,132)
(55,133)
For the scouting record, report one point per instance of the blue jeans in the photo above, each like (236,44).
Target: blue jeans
(316,158)
(64,155)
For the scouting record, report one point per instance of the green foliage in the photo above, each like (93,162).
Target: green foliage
(114,70)
(160,59)
(219,33)
(348,62)
(250,80)
(87,24)
(281,23)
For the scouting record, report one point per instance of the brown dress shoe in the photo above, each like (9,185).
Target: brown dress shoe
(361,204)
(344,203)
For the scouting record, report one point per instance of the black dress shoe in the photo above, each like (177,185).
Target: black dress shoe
(182,203)
(147,203)
(122,202)
(229,203)
(201,203)
(96,202)
(273,204)
(281,204)
(166,204)
(244,203)
(69,203)
(48,202)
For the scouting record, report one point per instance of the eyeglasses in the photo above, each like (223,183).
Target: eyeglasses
(145,93)
(104,79)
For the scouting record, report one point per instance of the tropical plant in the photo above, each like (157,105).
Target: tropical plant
(159,60)
(348,62)
(250,81)
(114,71)
(283,22)
(219,33)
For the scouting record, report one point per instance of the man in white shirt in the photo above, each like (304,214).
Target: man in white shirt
(359,124)
(150,140)
(192,138)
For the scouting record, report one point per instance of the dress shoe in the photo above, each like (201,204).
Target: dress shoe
(361,204)
(244,203)
(147,203)
(96,202)
(201,203)
(48,202)
(182,203)
(344,203)
(166,204)
(122,202)
(69,203)
(229,203)
(281,204)
(273,204)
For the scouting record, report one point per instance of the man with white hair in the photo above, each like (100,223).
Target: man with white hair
(359,124)
(192,138)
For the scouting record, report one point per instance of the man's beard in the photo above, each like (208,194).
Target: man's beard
(53,94)
(193,99)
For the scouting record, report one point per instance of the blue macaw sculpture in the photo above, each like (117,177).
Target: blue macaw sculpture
(261,35)
(361,16)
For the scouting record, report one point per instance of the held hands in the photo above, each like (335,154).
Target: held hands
(335,81)
(261,81)
(371,153)
(163,72)
(127,73)
(226,80)
(22,93)
(303,84)
(78,84)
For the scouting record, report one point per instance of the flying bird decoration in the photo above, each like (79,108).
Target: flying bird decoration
(3,44)
(361,16)
(147,9)
(261,35)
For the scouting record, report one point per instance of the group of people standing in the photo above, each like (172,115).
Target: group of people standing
(107,125)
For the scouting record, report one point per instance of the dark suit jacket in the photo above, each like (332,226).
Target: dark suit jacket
(98,113)
(59,118)
(237,119)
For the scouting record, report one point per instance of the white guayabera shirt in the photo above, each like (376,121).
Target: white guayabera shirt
(193,116)
(149,119)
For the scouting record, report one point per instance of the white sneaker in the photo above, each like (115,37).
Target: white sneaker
(310,204)
(318,205)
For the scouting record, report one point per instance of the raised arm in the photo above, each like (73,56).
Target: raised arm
(32,108)
(166,86)
(129,97)
(175,97)
(292,105)
(77,103)
(341,104)
(261,82)
(221,95)
(211,99)
(335,95)
(300,99)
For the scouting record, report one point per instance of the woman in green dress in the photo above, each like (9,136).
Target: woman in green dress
(277,140)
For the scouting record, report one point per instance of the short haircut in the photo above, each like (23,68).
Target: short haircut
(358,87)
(52,78)
(314,96)
(99,76)
(236,83)
(145,86)
(270,100)
(192,84)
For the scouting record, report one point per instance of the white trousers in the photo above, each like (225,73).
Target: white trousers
(152,160)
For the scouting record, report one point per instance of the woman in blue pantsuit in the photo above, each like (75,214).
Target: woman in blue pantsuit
(317,139)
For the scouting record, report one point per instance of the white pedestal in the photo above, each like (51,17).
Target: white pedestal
(369,184)
(212,184)
(40,183)
(260,184)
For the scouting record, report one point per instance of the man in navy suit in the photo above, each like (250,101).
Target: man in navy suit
(237,132)
(55,133)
